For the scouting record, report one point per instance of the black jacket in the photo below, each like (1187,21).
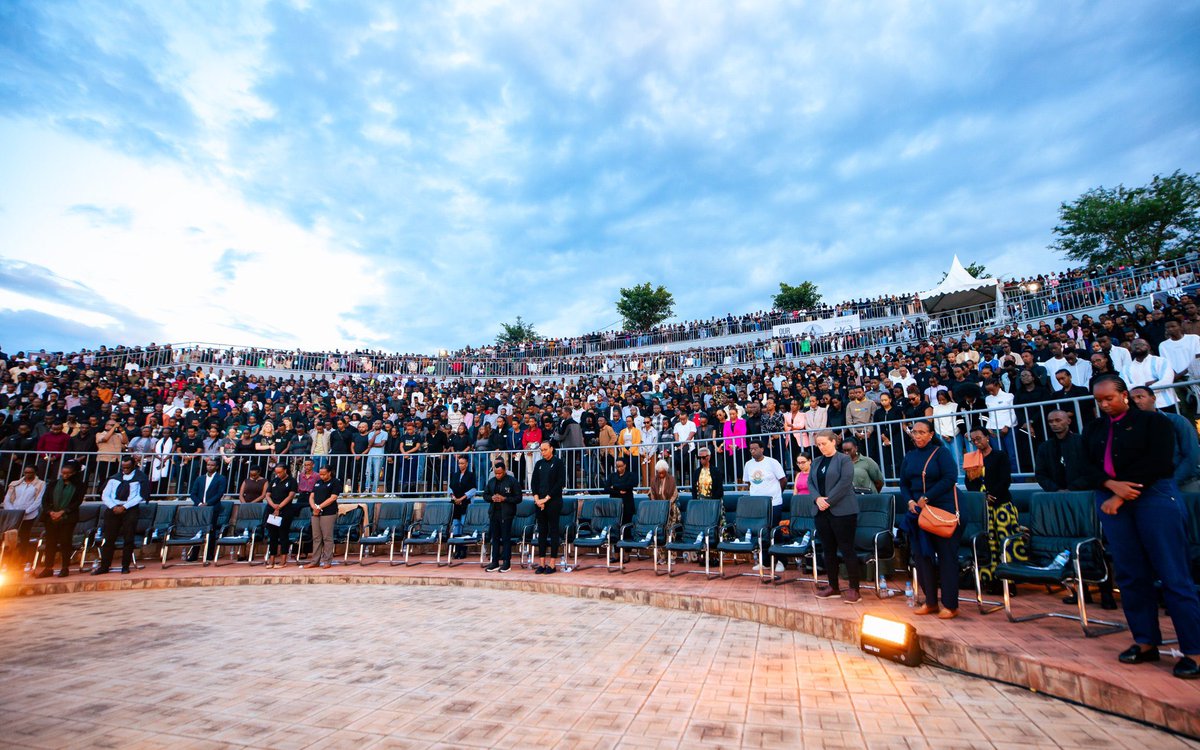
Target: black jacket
(1143,448)
(549,478)
(718,482)
(1060,464)
(619,486)
(510,488)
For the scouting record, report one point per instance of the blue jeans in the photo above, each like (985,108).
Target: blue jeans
(374,467)
(1148,542)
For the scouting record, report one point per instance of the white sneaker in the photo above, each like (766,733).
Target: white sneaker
(778,567)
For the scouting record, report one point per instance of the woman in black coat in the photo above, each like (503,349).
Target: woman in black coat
(927,477)
(831,485)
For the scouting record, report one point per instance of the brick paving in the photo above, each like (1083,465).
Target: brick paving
(384,666)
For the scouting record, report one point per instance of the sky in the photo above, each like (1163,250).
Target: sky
(406,176)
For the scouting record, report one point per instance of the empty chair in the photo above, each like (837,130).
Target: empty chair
(874,537)
(524,526)
(599,532)
(700,527)
(242,533)
(391,524)
(191,527)
(348,527)
(802,541)
(646,532)
(475,526)
(432,529)
(748,533)
(566,522)
(164,516)
(1064,547)
(300,531)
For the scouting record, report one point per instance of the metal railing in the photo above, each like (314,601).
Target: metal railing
(588,468)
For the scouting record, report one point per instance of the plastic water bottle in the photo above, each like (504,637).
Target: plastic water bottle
(807,539)
(1060,560)
(604,533)
(883,588)
(700,538)
(909,597)
(747,536)
(649,535)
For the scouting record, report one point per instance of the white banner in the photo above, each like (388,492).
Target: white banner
(820,327)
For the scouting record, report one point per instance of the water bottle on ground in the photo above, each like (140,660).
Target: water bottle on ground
(909,597)
(883,587)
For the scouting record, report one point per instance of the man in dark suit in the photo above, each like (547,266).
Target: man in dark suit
(504,493)
(462,489)
(208,489)
(549,480)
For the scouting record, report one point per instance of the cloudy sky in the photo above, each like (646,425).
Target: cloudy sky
(405,176)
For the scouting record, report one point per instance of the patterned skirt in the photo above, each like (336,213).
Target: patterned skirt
(1002,522)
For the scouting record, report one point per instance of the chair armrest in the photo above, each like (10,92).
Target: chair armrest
(1004,545)
(621,530)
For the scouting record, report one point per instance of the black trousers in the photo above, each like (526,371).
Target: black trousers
(123,525)
(836,534)
(500,532)
(549,533)
(940,571)
(277,536)
(58,541)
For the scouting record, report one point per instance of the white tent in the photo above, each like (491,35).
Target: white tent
(960,289)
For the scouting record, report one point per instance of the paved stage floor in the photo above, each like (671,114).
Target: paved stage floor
(385,666)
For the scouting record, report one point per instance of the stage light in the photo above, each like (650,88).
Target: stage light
(890,639)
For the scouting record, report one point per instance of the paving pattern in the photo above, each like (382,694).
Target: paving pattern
(372,666)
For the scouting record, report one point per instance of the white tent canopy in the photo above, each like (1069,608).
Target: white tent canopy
(960,289)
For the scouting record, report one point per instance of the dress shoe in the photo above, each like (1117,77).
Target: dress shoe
(851,596)
(1186,669)
(125,571)
(947,614)
(537,571)
(43,573)
(1138,655)
(99,571)
(825,592)
(925,609)
(1107,602)
(550,570)
(64,573)
(492,568)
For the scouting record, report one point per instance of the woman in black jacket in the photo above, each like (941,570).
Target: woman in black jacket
(831,485)
(927,477)
(60,513)
(994,479)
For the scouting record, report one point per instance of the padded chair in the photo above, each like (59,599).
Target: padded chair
(524,525)
(10,520)
(701,525)
(241,532)
(802,528)
(748,532)
(164,516)
(147,513)
(1060,522)
(598,533)
(647,531)
(973,551)
(84,537)
(566,521)
(476,524)
(191,527)
(391,523)
(432,529)
(300,530)
(874,542)
(348,528)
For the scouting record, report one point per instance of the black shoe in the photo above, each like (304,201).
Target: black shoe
(492,568)
(549,569)
(1186,669)
(538,570)
(505,568)
(64,573)
(44,573)
(99,571)
(124,571)
(1138,655)
(1108,602)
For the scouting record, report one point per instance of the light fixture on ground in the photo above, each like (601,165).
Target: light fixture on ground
(890,639)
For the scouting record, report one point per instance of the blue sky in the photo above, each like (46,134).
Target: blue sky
(406,176)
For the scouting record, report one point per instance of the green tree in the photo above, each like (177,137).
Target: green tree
(803,296)
(978,270)
(643,306)
(1132,226)
(516,332)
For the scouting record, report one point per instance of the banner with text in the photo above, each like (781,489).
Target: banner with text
(819,327)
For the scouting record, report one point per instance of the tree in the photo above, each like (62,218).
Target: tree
(1132,226)
(803,296)
(642,306)
(978,270)
(516,332)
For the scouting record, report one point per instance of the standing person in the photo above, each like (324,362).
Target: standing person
(867,476)
(549,480)
(281,495)
(606,438)
(60,513)
(208,489)
(531,441)
(463,486)
(927,477)
(1002,421)
(1186,458)
(664,487)
(994,479)
(1129,464)
(621,484)
(831,485)
(26,496)
(765,477)
(1060,459)
(324,504)
(110,443)
(504,493)
(1148,369)
(121,495)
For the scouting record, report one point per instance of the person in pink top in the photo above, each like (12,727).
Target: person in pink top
(803,464)
(795,421)
(735,441)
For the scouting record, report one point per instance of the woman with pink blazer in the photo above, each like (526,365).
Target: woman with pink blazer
(795,421)
(735,443)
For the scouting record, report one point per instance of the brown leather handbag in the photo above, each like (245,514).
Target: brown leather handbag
(935,520)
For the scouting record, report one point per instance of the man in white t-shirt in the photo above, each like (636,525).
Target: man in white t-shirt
(764,477)
(1146,369)
(1179,348)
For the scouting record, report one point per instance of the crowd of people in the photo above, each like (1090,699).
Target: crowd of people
(986,407)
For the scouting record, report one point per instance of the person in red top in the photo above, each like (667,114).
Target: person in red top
(52,448)
(531,441)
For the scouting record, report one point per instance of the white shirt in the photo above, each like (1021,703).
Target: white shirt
(109,496)
(1179,354)
(1120,357)
(763,477)
(1151,370)
(26,496)
(1081,372)
(1053,365)
(998,417)
(684,432)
